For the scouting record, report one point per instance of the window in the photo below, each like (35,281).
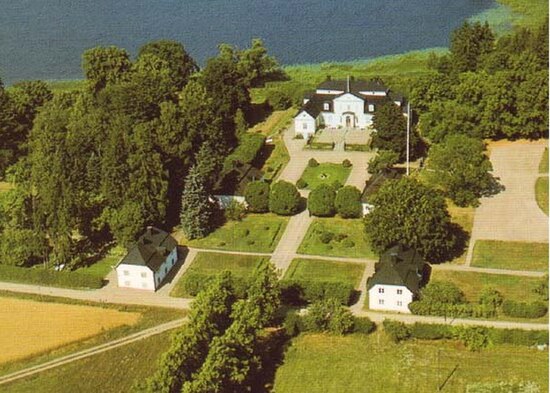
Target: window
(326,106)
(126,283)
(371,107)
(144,284)
(143,275)
(305,126)
(399,303)
(126,273)
(400,292)
(381,301)
(380,290)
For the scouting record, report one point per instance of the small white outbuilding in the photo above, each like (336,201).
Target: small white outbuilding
(149,261)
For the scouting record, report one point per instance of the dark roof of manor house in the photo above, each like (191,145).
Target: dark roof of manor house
(316,102)
(399,265)
(151,249)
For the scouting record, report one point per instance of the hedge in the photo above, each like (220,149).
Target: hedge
(432,331)
(462,310)
(535,309)
(356,147)
(194,282)
(248,149)
(300,292)
(294,324)
(321,146)
(50,278)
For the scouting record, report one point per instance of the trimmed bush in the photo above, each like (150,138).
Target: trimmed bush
(348,202)
(256,195)
(329,316)
(284,199)
(348,243)
(293,324)
(320,202)
(363,325)
(50,278)
(444,292)
(194,282)
(474,338)
(346,163)
(235,211)
(518,336)
(326,237)
(396,331)
(535,309)
(336,185)
(299,292)
(301,183)
(312,163)
(463,310)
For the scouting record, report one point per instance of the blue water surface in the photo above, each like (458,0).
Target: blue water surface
(44,39)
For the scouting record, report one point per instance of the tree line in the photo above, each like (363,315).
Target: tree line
(104,161)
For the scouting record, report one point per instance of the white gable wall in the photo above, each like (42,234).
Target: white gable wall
(304,124)
(390,298)
(135,276)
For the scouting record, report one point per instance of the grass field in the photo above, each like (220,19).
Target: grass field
(529,13)
(511,287)
(114,371)
(510,255)
(463,216)
(255,233)
(104,266)
(214,263)
(316,363)
(31,327)
(543,166)
(541,193)
(325,173)
(316,269)
(352,229)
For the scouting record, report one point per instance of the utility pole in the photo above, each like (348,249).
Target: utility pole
(408,134)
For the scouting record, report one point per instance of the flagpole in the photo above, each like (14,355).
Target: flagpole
(408,133)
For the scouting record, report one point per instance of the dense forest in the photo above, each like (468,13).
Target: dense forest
(99,163)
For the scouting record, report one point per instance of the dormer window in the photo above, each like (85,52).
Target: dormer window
(326,106)
(371,107)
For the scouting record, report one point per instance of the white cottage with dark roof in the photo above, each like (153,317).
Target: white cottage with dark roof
(149,261)
(342,103)
(397,279)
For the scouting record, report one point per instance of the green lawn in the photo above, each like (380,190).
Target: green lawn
(211,264)
(511,287)
(104,266)
(255,233)
(316,269)
(114,371)
(530,13)
(325,173)
(352,229)
(543,166)
(510,255)
(541,193)
(316,363)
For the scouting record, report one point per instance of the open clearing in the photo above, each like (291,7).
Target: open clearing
(31,327)
(463,216)
(520,289)
(510,255)
(255,233)
(319,270)
(360,363)
(113,371)
(353,245)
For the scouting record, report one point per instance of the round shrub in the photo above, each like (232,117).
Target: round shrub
(299,136)
(336,185)
(346,163)
(256,195)
(348,243)
(235,211)
(293,324)
(284,199)
(396,331)
(326,237)
(348,202)
(329,316)
(312,163)
(339,237)
(321,201)
(535,309)
(301,183)
(444,292)
(363,325)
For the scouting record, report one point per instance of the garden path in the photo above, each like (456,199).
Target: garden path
(513,214)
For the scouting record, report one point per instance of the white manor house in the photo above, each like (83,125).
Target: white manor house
(342,103)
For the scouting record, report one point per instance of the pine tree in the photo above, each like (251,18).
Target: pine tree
(196,208)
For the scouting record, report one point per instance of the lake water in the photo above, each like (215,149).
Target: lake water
(44,39)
